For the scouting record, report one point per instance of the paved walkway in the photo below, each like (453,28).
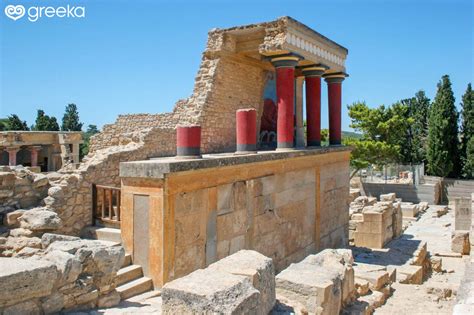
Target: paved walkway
(427,298)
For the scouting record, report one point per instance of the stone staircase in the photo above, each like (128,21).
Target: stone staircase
(130,279)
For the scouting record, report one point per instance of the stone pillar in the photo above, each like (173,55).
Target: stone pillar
(188,141)
(300,143)
(334,81)
(75,153)
(12,151)
(313,104)
(246,130)
(285,85)
(34,154)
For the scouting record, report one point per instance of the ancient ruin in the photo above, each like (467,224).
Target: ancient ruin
(227,205)
(44,151)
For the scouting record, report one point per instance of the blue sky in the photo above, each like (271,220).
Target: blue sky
(142,56)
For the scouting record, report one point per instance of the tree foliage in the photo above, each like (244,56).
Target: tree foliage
(91,130)
(442,151)
(467,133)
(414,148)
(382,134)
(45,123)
(370,152)
(15,123)
(71,119)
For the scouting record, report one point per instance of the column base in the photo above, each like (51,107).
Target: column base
(334,142)
(314,143)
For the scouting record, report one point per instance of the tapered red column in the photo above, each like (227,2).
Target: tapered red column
(285,85)
(313,104)
(334,81)
(34,155)
(12,156)
(188,141)
(246,130)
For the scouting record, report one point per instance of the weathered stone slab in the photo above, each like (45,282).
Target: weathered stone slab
(258,268)
(462,213)
(460,242)
(25,279)
(210,291)
(409,210)
(39,219)
(321,283)
(388,197)
(410,274)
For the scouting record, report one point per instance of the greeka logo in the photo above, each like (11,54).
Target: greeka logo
(34,13)
(15,12)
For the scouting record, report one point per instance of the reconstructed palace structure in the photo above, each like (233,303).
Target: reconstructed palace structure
(48,150)
(247,174)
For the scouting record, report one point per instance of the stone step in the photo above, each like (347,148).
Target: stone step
(103,234)
(135,287)
(127,261)
(145,296)
(128,274)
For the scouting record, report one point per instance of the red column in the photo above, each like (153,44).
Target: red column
(285,86)
(246,130)
(334,81)
(12,156)
(188,141)
(34,155)
(313,104)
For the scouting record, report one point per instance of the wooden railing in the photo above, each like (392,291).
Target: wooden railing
(106,204)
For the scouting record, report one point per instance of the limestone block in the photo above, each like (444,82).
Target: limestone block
(40,219)
(436,264)
(388,197)
(258,268)
(318,290)
(25,279)
(373,300)
(460,242)
(370,240)
(362,286)
(462,213)
(409,210)
(207,291)
(69,266)
(321,282)
(410,274)
(377,278)
(11,219)
(49,238)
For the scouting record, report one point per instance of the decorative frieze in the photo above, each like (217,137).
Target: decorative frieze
(314,49)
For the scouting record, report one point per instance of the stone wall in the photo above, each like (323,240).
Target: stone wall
(64,273)
(285,208)
(20,188)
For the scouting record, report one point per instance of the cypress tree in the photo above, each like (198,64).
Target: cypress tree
(467,133)
(442,151)
(420,126)
(71,119)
